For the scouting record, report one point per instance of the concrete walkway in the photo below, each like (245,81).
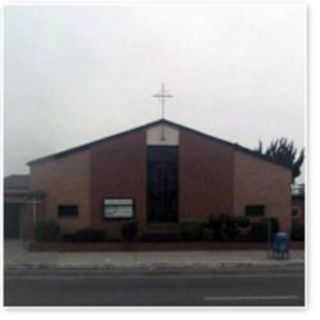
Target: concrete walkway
(16,256)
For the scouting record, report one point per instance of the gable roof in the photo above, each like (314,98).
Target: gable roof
(235,146)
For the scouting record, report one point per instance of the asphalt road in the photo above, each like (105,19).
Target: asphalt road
(89,288)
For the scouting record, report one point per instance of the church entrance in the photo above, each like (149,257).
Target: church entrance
(162,183)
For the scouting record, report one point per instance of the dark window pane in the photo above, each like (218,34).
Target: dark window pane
(67,210)
(255,211)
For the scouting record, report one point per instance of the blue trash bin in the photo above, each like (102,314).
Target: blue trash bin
(280,245)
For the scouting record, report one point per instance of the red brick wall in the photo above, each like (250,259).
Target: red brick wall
(205,177)
(262,182)
(213,179)
(65,180)
(118,170)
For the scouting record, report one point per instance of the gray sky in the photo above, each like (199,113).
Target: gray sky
(76,74)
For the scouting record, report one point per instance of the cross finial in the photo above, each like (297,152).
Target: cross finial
(162,95)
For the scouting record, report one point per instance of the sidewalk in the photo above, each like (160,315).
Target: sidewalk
(18,257)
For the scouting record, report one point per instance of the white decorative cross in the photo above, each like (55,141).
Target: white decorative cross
(162,95)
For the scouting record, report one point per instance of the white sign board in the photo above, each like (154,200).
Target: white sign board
(118,208)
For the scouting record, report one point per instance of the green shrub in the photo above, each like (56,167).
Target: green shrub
(242,221)
(224,227)
(274,224)
(260,230)
(129,230)
(191,231)
(244,227)
(229,228)
(86,235)
(47,230)
(297,232)
(154,236)
(208,234)
(215,224)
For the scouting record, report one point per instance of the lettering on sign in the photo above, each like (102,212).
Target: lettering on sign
(118,208)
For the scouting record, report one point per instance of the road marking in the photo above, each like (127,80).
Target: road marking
(240,298)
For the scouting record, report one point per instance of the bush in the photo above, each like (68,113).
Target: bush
(208,234)
(191,231)
(228,228)
(224,227)
(160,236)
(242,222)
(47,230)
(297,232)
(129,230)
(215,224)
(86,235)
(244,228)
(274,224)
(260,230)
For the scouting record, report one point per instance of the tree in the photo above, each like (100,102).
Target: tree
(284,152)
(260,148)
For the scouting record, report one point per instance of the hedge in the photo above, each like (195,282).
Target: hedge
(129,230)
(86,235)
(47,230)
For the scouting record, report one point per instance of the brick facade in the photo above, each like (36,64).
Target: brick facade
(205,177)
(65,181)
(214,178)
(118,171)
(259,182)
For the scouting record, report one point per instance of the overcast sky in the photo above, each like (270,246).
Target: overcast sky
(76,74)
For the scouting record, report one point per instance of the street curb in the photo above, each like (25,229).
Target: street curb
(198,268)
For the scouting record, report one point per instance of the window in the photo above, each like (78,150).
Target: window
(118,208)
(255,211)
(68,210)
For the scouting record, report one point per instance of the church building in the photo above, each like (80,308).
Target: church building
(161,173)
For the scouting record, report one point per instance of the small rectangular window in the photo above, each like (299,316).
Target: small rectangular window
(68,210)
(255,211)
